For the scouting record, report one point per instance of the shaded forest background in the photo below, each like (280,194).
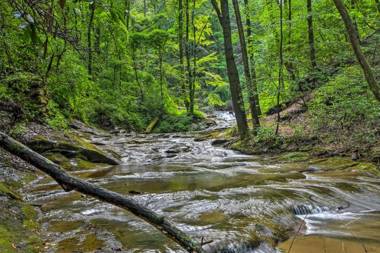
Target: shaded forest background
(124,63)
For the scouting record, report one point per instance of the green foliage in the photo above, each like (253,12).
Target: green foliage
(44,64)
(267,135)
(171,123)
(215,100)
(346,107)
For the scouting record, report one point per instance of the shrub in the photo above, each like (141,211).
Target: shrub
(346,108)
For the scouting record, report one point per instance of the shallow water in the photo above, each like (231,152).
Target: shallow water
(213,194)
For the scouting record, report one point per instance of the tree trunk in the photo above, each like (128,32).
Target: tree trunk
(310,31)
(181,55)
(127,12)
(369,76)
(252,58)
(192,89)
(289,65)
(160,56)
(135,70)
(243,45)
(232,72)
(188,55)
(280,68)
(69,183)
(89,43)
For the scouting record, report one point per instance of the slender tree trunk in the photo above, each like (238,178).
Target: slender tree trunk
(97,40)
(127,12)
(145,8)
(187,51)
(352,2)
(161,78)
(89,30)
(232,72)
(310,30)
(243,45)
(289,65)
(367,70)
(181,55)
(280,68)
(252,57)
(135,70)
(192,89)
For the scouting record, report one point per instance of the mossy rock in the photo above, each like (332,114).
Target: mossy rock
(4,190)
(84,150)
(345,164)
(19,228)
(295,157)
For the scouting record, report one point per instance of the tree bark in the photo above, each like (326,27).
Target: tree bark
(310,31)
(89,30)
(181,54)
(289,65)
(247,73)
(187,52)
(127,12)
(69,183)
(368,73)
(280,68)
(232,72)
(252,58)
(192,88)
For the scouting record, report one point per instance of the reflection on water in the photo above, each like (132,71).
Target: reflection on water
(213,194)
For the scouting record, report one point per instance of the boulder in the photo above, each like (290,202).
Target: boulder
(71,150)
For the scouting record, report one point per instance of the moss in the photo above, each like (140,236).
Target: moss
(86,165)
(30,217)
(64,226)
(77,148)
(6,241)
(213,217)
(295,156)
(4,190)
(82,142)
(56,157)
(18,232)
(367,168)
(91,243)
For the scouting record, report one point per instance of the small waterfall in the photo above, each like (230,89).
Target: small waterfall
(308,209)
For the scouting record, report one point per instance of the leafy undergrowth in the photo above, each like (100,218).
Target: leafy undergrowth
(341,117)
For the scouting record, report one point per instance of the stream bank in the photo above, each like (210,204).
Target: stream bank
(237,201)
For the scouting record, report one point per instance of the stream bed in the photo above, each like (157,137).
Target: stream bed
(222,197)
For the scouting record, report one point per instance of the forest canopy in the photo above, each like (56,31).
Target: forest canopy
(124,63)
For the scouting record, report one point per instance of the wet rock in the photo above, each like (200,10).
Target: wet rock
(5,191)
(295,156)
(219,142)
(178,149)
(312,169)
(202,138)
(71,150)
(132,192)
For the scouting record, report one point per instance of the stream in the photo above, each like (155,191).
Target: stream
(224,198)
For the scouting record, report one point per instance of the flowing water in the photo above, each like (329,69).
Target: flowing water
(219,196)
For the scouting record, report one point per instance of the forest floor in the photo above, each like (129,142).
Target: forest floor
(296,135)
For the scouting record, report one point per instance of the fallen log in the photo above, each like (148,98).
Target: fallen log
(152,125)
(69,183)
